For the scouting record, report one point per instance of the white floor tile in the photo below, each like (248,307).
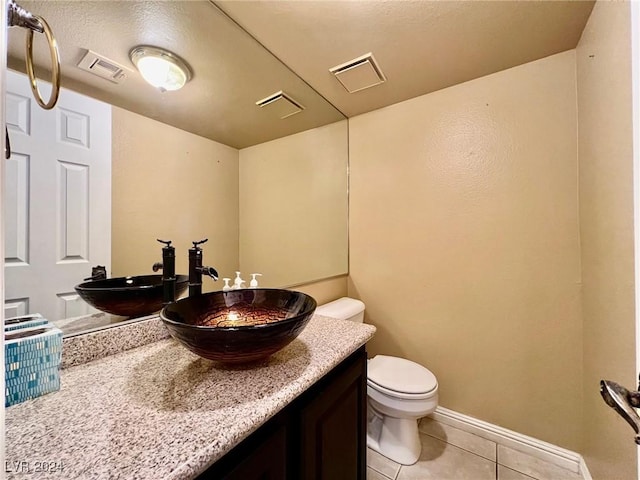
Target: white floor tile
(441,461)
(449,453)
(505,473)
(382,464)
(532,466)
(465,440)
(373,475)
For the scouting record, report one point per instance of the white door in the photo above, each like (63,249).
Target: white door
(57,199)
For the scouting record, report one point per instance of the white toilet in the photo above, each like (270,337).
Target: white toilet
(399,392)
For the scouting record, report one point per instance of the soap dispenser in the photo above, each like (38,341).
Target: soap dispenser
(226,286)
(237,283)
(254,283)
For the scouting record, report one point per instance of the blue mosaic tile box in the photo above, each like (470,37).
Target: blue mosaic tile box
(24,321)
(31,323)
(33,354)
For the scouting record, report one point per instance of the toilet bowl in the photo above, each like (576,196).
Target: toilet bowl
(399,393)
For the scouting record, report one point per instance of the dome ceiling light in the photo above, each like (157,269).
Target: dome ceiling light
(161,68)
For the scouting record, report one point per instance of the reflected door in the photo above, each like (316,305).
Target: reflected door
(57,201)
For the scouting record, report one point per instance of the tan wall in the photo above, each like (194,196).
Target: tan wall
(606,230)
(325,291)
(171,184)
(464,243)
(293,207)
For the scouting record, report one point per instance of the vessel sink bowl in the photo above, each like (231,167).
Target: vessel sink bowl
(128,296)
(239,326)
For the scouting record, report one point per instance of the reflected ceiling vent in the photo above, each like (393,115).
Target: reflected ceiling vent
(281,105)
(103,67)
(359,73)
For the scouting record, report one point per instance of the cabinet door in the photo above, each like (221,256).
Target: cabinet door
(263,456)
(333,428)
(267,462)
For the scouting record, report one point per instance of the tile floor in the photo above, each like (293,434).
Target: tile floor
(452,454)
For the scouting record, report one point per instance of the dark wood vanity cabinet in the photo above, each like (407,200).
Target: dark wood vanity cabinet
(320,436)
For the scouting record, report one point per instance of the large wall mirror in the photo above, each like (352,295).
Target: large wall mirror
(269,193)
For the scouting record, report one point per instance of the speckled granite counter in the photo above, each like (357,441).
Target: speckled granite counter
(161,412)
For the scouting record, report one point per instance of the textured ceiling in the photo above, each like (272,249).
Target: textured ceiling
(421,46)
(231,70)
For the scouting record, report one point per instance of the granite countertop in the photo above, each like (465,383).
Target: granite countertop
(160,412)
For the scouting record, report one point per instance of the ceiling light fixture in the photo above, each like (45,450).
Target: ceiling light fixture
(161,68)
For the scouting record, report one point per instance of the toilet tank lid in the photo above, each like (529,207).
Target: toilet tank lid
(342,309)
(400,375)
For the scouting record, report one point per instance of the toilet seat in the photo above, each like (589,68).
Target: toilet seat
(400,378)
(401,395)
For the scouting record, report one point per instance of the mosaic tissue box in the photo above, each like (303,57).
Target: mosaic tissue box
(33,352)
(24,321)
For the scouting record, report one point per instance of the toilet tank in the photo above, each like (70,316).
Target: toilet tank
(344,308)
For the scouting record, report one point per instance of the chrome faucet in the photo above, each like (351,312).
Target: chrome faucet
(168,267)
(623,402)
(196,269)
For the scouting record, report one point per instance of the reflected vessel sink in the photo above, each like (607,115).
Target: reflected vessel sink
(128,296)
(239,326)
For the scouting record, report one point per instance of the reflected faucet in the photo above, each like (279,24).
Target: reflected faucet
(168,267)
(623,402)
(196,269)
(99,272)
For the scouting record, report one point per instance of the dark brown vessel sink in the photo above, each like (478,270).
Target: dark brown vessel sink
(239,326)
(128,296)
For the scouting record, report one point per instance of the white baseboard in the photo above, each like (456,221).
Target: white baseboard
(532,446)
(584,471)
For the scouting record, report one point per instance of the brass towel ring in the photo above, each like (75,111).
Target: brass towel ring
(55,66)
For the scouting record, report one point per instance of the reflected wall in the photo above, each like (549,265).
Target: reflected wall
(278,208)
(293,207)
(173,185)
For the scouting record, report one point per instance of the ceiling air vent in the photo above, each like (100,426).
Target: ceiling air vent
(103,67)
(281,104)
(359,73)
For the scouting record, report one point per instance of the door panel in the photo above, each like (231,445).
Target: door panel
(58,202)
(16,210)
